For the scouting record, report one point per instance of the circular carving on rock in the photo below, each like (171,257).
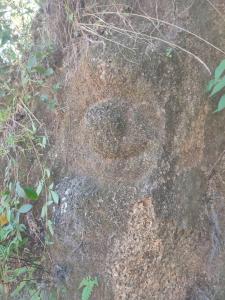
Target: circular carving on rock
(117,129)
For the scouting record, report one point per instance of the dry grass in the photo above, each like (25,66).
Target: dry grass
(68,20)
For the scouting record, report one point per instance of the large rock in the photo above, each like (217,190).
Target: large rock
(142,200)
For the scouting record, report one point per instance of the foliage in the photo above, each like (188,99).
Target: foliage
(24,71)
(14,205)
(216,86)
(87,285)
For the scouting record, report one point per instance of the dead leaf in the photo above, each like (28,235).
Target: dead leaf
(3,220)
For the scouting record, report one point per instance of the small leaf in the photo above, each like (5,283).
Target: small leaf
(44,141)
(20,191)
(25,208)
(51,186)
(218,87)
(40,69)
(34,128)
(221,104)
(55,197)
(2,94)
(47,173)
(49,72)
(88,285)
(220,69)
(210,85)
(44,98)
(52,104)
(56,87)
(5,37)
(30,193)
(44,210)
(40,187)
(32,62)
(50,227)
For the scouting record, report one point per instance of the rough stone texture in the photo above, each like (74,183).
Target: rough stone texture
(142,200)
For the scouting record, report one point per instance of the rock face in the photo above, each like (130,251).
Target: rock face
(139,165)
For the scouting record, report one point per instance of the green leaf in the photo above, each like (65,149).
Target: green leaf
(44,141)
(25,208)
(20,191)
(52,104)
(218,87)
(2,94)
(49,72)
(56,87)
(2,12)
(44,98)
(88,285)
(40,187)
(53,295)
(44,210)
(50,227)
(5,36)
(55,197)
(32,61)
(47,172)
(30,193)
(40,69)
(210,85)
(220,69)
(221,104)
(18,289)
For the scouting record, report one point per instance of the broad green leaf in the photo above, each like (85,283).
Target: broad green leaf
(218,87)
(221,104)
(55,197)
(220,69)
(30,193)
(25,208)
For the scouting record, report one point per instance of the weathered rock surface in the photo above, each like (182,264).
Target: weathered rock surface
(142,200)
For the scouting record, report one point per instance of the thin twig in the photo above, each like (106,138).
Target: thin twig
(148,39)
(216,9)
(163,22)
